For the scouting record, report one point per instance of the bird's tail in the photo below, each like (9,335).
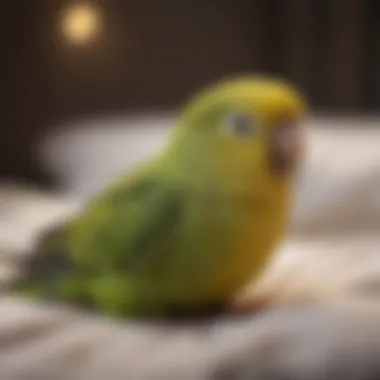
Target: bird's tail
(45,265)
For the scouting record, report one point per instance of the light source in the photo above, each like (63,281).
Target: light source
(81,23)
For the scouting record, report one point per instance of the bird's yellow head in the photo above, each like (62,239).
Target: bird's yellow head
(242,131)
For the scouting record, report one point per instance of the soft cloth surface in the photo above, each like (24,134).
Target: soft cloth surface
(323,287)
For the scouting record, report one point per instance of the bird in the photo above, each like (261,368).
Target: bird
(186,230)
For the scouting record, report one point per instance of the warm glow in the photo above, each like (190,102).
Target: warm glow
(81,23)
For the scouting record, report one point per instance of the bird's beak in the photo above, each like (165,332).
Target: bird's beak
(286,148)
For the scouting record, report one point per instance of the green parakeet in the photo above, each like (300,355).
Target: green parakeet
(190,228)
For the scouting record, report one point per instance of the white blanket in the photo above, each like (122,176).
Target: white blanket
(324,283)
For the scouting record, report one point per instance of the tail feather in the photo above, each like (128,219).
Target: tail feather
(46,265)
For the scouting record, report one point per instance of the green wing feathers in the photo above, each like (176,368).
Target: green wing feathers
(127,228)
(124,235)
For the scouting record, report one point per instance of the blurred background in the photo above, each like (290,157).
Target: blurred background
(69,60)
(89,88)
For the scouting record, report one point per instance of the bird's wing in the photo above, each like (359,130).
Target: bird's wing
(132,227)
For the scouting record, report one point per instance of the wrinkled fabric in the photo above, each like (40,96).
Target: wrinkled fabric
(322,289)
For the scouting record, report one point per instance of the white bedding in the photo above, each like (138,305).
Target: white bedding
(324,284)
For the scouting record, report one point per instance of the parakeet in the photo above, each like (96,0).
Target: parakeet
(191,227)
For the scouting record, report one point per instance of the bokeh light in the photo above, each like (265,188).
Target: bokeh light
(81,23)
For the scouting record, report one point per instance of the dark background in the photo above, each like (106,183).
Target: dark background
(154,53)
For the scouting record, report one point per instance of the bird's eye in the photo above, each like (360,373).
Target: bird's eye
(241,124)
